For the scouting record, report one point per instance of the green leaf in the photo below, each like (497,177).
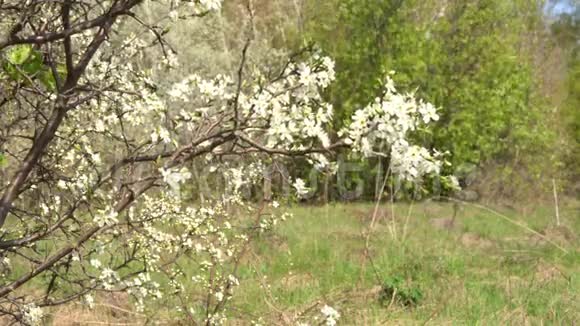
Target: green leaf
(62,72)
(18,54)
(47,79)
(2,160)
(33,64)
(21,61)
(12,72)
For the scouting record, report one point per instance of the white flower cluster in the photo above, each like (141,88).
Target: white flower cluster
(32,315)
(162,229)
(240,176)
(89,300)
(196,6)
(293,106)
(143,288)
(108,278)
(330,317)
(300,187)
(174,177)
(201,238)
(287,113)
(388,121)
(330,314)
(104,218)
(211,5)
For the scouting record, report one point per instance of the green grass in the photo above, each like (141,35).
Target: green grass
(485,270)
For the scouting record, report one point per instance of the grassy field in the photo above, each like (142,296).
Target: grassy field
(483,269)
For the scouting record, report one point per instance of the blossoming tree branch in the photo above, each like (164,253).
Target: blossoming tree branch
(96,144)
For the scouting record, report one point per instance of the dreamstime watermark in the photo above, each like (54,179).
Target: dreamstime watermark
(351,181)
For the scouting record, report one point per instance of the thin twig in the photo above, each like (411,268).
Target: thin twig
(512,221)
(556,202)
(370,230)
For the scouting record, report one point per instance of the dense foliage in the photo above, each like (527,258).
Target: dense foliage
(566,31)
(476,60)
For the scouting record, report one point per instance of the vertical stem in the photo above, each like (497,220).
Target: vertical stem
(393,222)
(378,179)
(556,201)
(201,184)
(326,195)
(267,186)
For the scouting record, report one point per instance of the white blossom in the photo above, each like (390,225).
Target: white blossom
(106,218)
(89,300)
(174,15)
(330,314)
(32,315)
(300,187)
(211,4)
(388,120)
(175,178)
(96,263)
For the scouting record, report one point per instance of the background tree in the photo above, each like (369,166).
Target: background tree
(473,59)
(566,34)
